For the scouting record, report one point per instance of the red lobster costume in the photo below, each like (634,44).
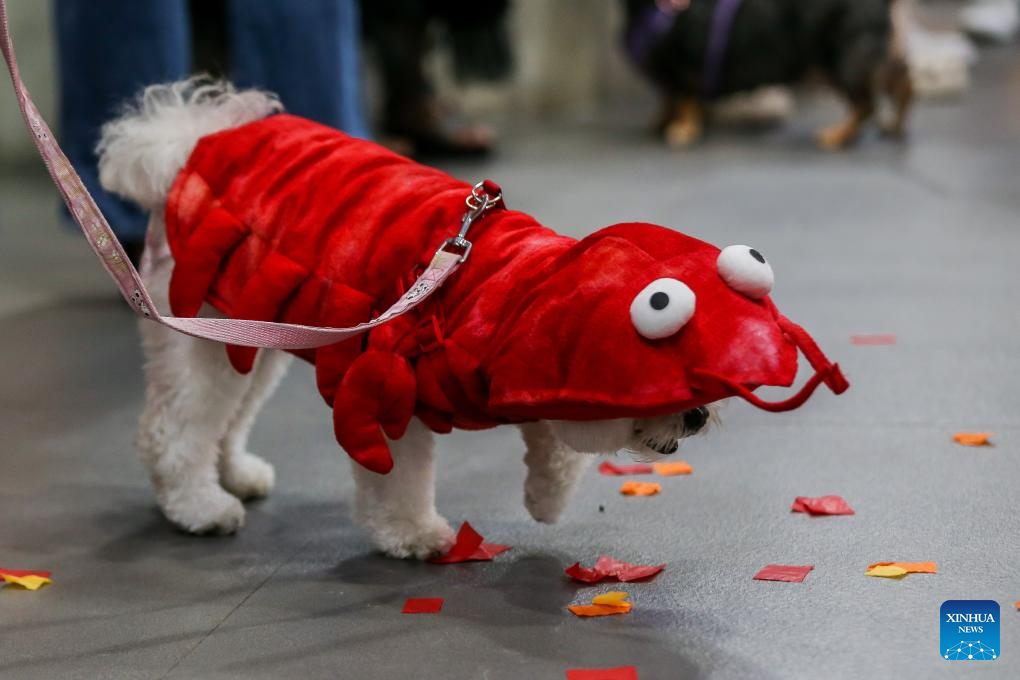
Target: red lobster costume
(287,220)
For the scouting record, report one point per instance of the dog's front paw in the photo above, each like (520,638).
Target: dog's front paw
(204,509)
(416,539)
(894,129)
(682,134)
(541,505)
(836,137)
(247,476)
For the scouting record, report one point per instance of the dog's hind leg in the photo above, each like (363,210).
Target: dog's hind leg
(857,75)
(900,89)
(242,473)
(191,395)
(843,134)
(666,114)
(553,472)
(398,509)
(897,83)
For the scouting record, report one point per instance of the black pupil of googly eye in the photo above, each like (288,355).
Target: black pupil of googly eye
(659,301)
(756,255)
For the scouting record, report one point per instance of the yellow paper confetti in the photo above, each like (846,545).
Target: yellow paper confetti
(603,605)
(31,582)
(640,488)
(679,467)
(973,438)
(909,567)
(887,571)
(615,597)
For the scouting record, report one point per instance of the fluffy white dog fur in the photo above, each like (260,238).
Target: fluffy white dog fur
(198,411)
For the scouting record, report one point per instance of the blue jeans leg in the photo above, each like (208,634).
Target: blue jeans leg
(107,51)
(307,51)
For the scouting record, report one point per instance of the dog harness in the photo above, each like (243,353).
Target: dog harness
(657,20)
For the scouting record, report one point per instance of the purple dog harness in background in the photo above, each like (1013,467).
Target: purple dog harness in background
(659,18)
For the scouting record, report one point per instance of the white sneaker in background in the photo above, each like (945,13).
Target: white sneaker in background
(939,61)
(764,106)
(995,20)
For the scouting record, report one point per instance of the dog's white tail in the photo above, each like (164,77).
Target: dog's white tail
(141,152)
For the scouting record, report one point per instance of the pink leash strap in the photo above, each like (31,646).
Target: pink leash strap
(107,248)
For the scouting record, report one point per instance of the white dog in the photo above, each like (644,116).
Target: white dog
(198,411)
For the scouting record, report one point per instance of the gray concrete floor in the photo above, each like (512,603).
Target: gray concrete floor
(919,239)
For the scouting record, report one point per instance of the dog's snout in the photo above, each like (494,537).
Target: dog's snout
(664,435)
(665,448)
(695,420)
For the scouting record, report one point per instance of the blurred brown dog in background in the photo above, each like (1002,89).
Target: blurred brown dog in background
(697,50)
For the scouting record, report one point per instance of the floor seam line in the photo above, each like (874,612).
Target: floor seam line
(235,608)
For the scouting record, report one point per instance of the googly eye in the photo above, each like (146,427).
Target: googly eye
(662,308)
(745,270)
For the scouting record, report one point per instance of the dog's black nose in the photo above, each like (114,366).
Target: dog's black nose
(695,419)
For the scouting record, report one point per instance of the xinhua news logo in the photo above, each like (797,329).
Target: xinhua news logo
(969,630)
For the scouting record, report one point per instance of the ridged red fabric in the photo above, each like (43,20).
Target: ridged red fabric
(287,220)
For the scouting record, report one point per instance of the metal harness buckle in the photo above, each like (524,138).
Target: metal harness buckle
(483,196)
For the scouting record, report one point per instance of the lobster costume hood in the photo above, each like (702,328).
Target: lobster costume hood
(287,220)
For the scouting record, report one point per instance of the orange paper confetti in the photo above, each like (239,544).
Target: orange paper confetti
(584,610)
(1017,605)
(909,567)
(973,438)
(603,605)
(640,488)
(679,467)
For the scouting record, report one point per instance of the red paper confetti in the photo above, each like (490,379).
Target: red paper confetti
(877,339)
(20,573)
(783,572)
(822,505)
(607,567)
(470,547)
(618,673)
(607,468)
(423,605)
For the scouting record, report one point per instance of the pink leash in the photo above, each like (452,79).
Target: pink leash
(249,333)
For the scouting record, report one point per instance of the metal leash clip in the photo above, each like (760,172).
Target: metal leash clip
(484,195)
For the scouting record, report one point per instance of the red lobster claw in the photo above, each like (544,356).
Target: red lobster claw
(376,396)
